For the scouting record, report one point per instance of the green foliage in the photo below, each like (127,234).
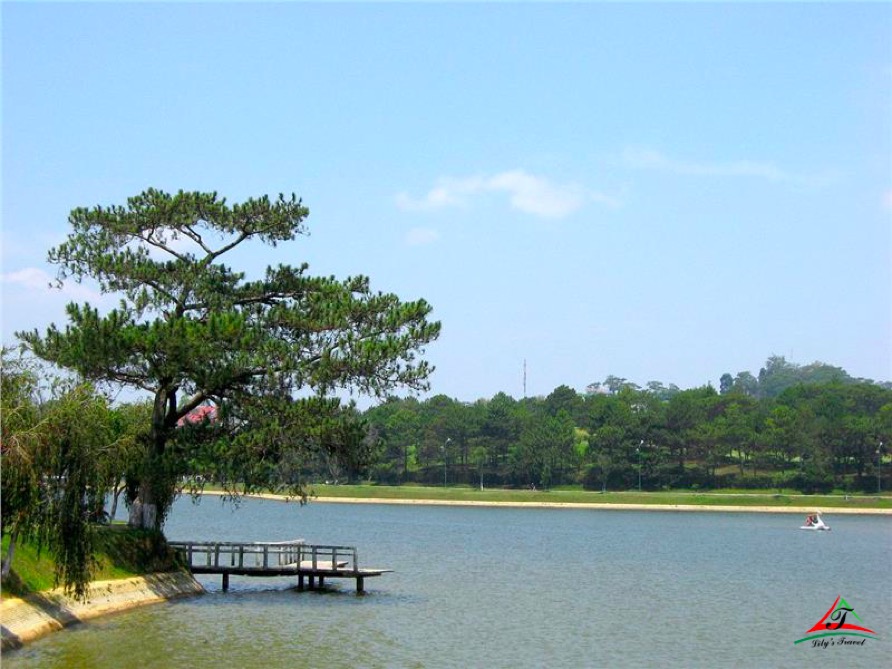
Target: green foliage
(53,455)
(813,437)
(778,374)
(121,551)
(190,330)
(265,444)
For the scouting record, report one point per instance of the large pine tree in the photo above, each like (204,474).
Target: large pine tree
(190,330)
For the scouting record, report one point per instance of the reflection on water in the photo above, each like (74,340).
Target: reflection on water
(510,588)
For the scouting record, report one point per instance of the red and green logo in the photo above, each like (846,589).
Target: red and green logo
(839,621)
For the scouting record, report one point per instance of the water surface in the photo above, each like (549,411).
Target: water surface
(502,587)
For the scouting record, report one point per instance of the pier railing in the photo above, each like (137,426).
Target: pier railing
(266,557)
(275,558)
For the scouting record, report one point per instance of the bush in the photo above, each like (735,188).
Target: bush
(747,481)
(620,477)
(785,480)
(812,482)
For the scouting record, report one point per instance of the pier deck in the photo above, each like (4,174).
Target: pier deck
(314,563)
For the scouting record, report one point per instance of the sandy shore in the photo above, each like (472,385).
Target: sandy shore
(24,620)
(594,506)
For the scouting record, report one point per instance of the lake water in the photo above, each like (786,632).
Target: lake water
(502,587)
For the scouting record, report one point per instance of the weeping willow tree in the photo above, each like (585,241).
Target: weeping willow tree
(53,459)
(270,354)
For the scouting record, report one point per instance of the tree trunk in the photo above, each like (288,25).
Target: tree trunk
(144,510)
(7,559)
(116,493)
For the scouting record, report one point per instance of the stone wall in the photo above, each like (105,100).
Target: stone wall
(26,619)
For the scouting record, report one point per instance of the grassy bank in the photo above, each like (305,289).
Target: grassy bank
(578,496)
(121,552)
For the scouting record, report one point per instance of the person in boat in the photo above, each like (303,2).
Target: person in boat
(810,520)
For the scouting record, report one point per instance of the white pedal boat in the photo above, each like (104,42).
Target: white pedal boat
(817,524)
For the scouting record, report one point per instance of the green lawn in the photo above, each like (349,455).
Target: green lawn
(717,498)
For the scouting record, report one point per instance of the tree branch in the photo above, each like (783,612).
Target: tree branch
(195,237)
(161,245)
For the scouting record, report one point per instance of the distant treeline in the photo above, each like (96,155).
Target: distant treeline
(812,428)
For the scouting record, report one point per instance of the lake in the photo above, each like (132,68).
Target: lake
(507,587)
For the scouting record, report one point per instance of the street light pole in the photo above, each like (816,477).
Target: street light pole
(448,439)
(638,451)
(879,467)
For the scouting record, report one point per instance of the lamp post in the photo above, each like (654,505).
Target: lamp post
(879,468)
(638,451)
(448,439)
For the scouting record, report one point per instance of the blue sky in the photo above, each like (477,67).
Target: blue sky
(654,191)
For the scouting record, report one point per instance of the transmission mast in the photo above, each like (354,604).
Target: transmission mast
(524,378)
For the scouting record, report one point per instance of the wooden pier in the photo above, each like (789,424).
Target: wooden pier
(314,563)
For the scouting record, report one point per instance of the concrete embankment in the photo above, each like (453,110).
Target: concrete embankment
(29,618)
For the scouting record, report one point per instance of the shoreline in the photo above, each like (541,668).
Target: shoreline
(595,506)
(611,507)
(29,618)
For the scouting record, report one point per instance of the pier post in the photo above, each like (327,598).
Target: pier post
(225,582)
(359,585)
(300,582)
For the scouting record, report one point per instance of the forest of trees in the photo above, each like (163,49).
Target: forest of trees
(811,428)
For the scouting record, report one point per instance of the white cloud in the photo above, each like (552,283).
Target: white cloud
(649,159)
(35,281)
(448,192)
(526,192)
(422,236)
(30,277)
(538,196)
